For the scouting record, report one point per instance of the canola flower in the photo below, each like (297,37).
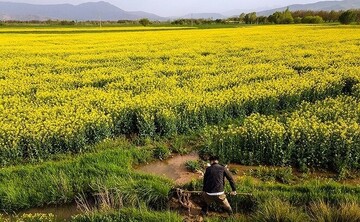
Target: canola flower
(60,92)
(322,135)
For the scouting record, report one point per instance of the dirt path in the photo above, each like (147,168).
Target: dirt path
(172,168)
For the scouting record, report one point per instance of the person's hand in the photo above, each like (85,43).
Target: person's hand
(233,193)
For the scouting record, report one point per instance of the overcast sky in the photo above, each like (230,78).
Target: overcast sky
(182,7)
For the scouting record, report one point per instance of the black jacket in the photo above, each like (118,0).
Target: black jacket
(214,181)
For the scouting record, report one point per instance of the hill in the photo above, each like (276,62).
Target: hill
(86,11)
(318,6)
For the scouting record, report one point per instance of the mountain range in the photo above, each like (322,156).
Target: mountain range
(318,6)
(86,11)
(106,11)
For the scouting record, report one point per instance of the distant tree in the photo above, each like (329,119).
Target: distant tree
(242,17)
(144,21)
(284,17)
(327,16)
(220,21)
(233,19)
(297,20)
(357,12)
(273,18)
(247,19)
(333,16)
(347,17)
(65,22)
(250,18)
(253,17)
(287,17)
(124,21)
(262,20)
(312,20)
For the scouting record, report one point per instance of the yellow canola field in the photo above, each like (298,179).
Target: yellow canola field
(324,134)
(59,92)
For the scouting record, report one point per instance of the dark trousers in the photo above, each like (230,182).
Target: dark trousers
(220,200)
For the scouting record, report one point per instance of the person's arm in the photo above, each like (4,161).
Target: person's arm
(230,179)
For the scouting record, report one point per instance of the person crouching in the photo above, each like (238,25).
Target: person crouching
(213,186)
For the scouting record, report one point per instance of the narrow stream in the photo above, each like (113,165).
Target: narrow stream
(172,168)
(61,212)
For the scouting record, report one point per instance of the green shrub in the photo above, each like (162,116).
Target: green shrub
(347,17)
(179,144)
(65,22)
(297,20)
(312,20)
(194,165)
(161,152)
(142,155)
(283,175)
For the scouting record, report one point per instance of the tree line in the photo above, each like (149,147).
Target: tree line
(282,17)
(301,16)
(279,17)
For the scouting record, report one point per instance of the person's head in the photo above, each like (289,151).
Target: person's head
(214,159)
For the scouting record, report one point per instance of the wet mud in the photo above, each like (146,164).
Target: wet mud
(172,168)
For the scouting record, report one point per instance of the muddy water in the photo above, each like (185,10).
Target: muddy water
(172,168)
(62,213)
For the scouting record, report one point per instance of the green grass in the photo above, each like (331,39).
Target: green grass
(283,175)
(195,165)
(278,211)
(323,212)
(299,194)
(61,182)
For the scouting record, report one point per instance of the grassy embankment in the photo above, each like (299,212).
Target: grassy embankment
(106,176)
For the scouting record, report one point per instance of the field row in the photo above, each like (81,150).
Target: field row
(321,135)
